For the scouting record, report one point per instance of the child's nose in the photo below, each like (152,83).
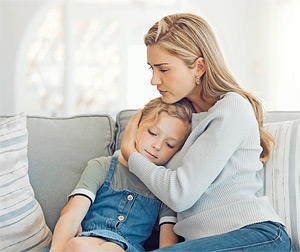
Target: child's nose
(157,145)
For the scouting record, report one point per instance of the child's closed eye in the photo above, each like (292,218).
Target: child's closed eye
(170,146)
(151,132)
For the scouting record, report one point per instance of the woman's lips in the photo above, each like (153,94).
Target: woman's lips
(162,92)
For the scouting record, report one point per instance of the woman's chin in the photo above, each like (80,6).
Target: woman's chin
(169,100)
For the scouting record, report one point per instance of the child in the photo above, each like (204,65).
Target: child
(116,210)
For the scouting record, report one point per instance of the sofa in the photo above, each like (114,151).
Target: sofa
(59,148)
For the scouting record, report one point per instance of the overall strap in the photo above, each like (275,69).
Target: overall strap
(111,171)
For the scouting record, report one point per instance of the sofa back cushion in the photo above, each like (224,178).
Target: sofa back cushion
(122,119)
(281,175)
(280,116)
(58,151)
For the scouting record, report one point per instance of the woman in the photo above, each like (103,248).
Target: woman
(213,182)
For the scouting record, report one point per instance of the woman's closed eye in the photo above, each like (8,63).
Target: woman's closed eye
(163,70)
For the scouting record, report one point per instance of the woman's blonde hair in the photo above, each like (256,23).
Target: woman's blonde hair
(182,110)
(189,37)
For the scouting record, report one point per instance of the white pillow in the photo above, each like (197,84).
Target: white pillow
(281,175)
(22,222)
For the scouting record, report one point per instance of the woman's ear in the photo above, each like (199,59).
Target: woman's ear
(200,66)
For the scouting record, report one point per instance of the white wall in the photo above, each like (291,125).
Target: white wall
(260,40)
(15,16)
(242,29)
(245,29)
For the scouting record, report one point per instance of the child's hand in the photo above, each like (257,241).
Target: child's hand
(167,236)
(128,142)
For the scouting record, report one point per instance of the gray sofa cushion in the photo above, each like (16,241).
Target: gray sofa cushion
(58,151)
(122,119)
(280,116)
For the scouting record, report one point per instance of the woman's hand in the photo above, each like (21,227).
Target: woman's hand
(128,142)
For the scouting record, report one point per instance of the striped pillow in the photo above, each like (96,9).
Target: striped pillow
(281,175)
(22,222)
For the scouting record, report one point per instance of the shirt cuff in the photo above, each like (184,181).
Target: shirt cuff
(84,192)
(167,219)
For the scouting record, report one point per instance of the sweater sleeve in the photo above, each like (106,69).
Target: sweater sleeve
(205,154)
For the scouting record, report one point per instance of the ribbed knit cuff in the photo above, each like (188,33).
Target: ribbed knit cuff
(139,164)
(141,167)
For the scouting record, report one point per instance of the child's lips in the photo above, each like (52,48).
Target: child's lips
(151,155)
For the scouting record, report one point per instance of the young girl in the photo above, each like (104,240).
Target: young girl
(213,181)
(116,210)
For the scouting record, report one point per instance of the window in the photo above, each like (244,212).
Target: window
(87,57)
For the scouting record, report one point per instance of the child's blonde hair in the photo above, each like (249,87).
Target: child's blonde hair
(182,110)
(189,37)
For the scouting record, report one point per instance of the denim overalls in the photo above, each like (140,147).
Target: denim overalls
(123,217)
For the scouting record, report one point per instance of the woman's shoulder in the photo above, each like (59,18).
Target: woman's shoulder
(233,110)
(230,108)
(233,97)
(233,103)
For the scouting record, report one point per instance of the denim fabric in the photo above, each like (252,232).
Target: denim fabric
(124,217)
(264,236)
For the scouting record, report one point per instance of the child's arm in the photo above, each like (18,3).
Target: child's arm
(167,236)
(69,221)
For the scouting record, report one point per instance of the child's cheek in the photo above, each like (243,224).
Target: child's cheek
(137,145)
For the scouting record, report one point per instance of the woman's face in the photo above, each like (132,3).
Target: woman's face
(174,80)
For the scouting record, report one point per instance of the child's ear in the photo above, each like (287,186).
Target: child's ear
(200,66)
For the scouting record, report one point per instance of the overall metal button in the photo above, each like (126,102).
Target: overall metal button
(121,218)
(130,197)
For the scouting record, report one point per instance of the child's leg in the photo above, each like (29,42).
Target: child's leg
(83,244)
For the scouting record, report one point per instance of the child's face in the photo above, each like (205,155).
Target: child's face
(161,141)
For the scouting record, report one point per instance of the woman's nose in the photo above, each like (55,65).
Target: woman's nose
(155,80)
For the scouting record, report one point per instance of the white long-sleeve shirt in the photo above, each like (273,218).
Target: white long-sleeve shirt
(213,181)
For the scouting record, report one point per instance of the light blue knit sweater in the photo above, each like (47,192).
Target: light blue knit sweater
(213,181)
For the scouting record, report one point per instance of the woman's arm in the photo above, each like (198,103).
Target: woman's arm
(167,236)
(69,221)
(206,152)
(128,141)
